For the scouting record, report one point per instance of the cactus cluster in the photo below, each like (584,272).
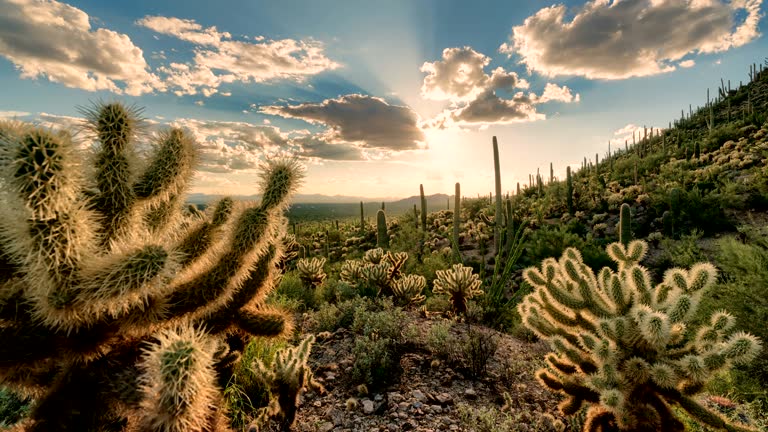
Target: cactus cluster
(118,312)
(460,284)
(626,348)
(287,378)
(311,271)
(383,271)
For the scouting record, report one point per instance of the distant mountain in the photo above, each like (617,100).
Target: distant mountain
(199,198)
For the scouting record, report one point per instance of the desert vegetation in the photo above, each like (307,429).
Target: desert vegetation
(628,296)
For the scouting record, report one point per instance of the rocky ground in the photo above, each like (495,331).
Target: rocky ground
(427,394)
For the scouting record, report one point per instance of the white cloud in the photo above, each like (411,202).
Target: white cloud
(55,40)
(459,78)
(628,38)
(687,63)
(218,59)
(13,114)
(625,134)
(366,121)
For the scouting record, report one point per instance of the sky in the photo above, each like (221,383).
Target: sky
(374,97)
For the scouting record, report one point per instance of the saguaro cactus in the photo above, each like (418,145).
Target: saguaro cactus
(497,176)
(382,238)
(569,190)
(101,316)
(423,208)
(456,220)
(625,348)
(362,219)
(625,221)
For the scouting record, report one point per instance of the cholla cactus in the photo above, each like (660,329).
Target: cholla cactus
(311,271)
(352,272)
(287,378)
(102,269)
(374,256)
(626,347)
(460,284)
(377,275)
(407,290)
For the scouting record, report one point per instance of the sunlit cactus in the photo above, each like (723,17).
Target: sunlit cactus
(625,228)
(408,290)
(311,271)
(106,267)
(460,284)
(287,378)
(627,348)
(352,272)
(373,256)
(377,275)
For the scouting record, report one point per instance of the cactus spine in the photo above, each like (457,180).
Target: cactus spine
(456,220)
(382,238)
(625,218)
(423,208)
(111,289)
(497,176)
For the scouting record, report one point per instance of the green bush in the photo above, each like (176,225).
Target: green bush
(12,407)
(376,360)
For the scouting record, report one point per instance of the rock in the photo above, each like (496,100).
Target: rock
(325,427)
(445,399)
(419,395)
(470,394)
(368,407)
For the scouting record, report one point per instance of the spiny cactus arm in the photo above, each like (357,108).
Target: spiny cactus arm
(199,238)
(114,125)
(396,262)
(352,272)
(178,381)
(578,392)
(374,256)
(311,270)
(112,285)
(263,322)
(595,300)
(170,168)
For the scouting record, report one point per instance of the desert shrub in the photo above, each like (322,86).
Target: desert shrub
(376,360)
(478,348)
(441,342)
(291,287)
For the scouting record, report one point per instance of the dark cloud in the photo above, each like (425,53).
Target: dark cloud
(367,121)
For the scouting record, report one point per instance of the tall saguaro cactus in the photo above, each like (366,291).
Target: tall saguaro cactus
(116,313)
(456,220)
(497,176)
(569,190)
(625,229)
(423,208)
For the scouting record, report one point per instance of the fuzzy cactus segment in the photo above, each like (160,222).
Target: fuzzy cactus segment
(408,290)
(625,346)
(123,309)
(287,378)
(460,284)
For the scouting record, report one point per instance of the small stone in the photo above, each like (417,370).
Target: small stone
(470,393)
(445,399)
(437,409)
(419,395)
(368,406)
(378,398)
(325,427)
(417,404)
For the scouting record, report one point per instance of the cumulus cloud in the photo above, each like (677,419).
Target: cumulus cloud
(626,134)
(55,40)
(459,77)
(629,38)
(366,121)
(219,59)
(687,63)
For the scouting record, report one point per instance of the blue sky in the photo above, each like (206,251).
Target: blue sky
(379,97)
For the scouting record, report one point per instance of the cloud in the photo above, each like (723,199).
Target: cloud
(460,79)
(687,63)
(630,38)
(553,92)
(218,59)
(55,40)
(625,134)
(12,114)
(367,121)
(315,147)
